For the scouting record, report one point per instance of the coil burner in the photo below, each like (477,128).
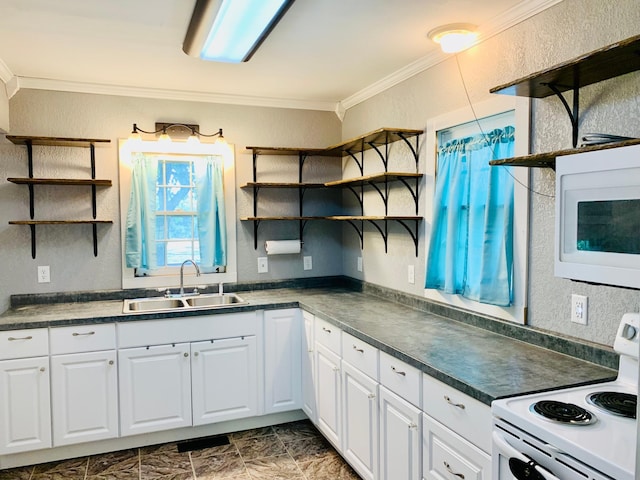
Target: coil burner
(562,412)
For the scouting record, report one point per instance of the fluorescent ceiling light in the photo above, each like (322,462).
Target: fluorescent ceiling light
(231,30)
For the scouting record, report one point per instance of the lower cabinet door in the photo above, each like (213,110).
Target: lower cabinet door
(25,414)
(328,394)
(360,420)
(155,388)
(84,397)
(399,438)
(447,455)
(224,382)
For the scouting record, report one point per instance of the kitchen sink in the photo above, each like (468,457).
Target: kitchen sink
(199,302)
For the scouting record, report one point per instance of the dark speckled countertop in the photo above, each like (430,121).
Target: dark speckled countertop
(477,361)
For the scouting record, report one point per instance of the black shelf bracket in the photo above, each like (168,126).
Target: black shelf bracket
(414,150)
(573,111)
(359,231)
(383,233)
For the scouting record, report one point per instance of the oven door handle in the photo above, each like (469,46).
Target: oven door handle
(511,452)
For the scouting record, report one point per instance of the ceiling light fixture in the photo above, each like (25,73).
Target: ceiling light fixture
(454,37)
(231,30)
(179,130)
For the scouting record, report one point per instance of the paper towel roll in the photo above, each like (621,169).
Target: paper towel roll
(282,247)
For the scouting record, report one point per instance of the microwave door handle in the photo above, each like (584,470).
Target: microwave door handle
(511,452)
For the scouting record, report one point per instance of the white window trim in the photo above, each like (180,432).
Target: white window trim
(501,103)
(129,280)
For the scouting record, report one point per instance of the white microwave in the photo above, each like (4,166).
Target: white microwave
(597,234)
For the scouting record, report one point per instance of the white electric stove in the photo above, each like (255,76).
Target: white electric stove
(579,433)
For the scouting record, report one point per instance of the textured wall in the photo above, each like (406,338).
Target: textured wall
(68,250)
(4,108)
(567,30)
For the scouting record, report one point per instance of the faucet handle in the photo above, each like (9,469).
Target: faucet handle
(167,292)
(196,291)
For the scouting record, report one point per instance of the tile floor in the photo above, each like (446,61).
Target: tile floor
(291,451)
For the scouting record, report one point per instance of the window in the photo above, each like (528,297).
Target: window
(459,243)
(177,203)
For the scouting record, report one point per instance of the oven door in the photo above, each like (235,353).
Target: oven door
(511,464)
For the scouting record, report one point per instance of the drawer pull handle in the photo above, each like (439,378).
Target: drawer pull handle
(13,339)
(324,329)
(358,349)
(76,334)
(336,369)
(310,350)
(404,374)
(412,426)
(371,395)
(459,405)
(448,467)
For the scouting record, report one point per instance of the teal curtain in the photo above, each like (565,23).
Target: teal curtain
(212,225)
(140,245)
(471,247)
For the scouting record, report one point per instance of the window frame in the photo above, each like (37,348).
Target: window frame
(166,277)
(516,313)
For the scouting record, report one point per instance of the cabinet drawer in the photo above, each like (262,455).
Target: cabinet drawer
(360,355)
(24,343)
(400,378)
(446,455)
(464,415)
(328,335)
(83,338)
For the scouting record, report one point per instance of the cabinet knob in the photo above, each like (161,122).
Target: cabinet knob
(399,372)
(448,467)
(371,395)
(457,405)
(42,369)
(110,362)
(195,354)
(358,349)
(336,369)
(186,354)
(13,339)
(412,426)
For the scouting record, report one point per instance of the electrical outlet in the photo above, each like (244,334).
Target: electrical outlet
(411,274)
(307,262)
(579,309)
(359,264)
(263,265)
(44,274)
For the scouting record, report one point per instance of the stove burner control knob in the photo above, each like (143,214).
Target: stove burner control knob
(629,332)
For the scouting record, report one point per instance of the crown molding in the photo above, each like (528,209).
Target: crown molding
(524,10)
(164,94)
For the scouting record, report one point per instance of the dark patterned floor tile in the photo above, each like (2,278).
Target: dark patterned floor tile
(113,462)
(254,432)
(165,464)
(119,475)
(328,467)
(303,450)
(259,447)
(217,466)
(281,467)
(292,431)
(20,473)
(72,469)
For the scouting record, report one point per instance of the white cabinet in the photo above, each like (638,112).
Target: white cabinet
(328,394)
(84,397)
(224,379)
(446,455)
(308,367)
(155,388)
(399,438)
(84,383)
(360,432)
(25,402)
(282,360)
(25,422)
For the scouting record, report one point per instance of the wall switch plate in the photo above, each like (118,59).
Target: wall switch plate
(307,262)
(44,274)
(263,265)
(411,274)
(359,264)
(579,309)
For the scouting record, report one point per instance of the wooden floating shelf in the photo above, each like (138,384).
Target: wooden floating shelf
(60,181)
(374,178)
(335,218)
(602,64)
(56,141)
(548,160)
(282,185)
(59,222)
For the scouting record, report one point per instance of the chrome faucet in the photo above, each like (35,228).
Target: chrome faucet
(182,274)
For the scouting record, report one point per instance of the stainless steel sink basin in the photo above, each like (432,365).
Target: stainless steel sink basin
(199,302)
